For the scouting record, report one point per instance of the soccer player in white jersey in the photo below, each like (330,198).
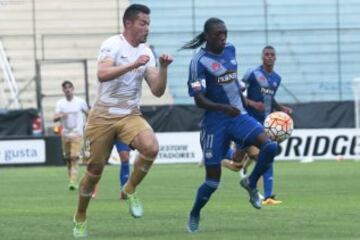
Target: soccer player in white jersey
(70,112)
(124,60)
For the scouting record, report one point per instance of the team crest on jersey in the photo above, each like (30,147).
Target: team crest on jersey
(215,66)
(262,78)
(227,77)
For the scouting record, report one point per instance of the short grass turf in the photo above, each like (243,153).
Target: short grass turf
(320,201)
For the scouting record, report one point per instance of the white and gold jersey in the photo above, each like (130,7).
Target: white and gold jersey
(73,123)
(121,96)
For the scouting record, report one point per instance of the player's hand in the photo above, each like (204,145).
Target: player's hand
(165,60)
(141,60)
(287,110)
(259,106)
(63,115)
(230,110)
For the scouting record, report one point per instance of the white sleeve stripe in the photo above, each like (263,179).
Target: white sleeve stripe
(194,63)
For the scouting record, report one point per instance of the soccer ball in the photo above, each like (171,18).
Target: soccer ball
(278,126)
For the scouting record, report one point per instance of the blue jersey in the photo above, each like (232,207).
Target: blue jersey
(261,87)
(216,77)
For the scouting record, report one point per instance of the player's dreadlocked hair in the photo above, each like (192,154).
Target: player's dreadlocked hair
(200,39)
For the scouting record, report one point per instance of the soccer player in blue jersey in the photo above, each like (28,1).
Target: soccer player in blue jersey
(124,154)
(214,84)
(261,84)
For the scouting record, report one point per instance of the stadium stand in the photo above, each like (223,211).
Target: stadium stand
(304,33)
(69,32)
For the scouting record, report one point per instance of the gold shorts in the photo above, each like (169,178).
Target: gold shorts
(71,146)
(99,138)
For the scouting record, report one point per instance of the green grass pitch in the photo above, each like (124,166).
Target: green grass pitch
(320,201)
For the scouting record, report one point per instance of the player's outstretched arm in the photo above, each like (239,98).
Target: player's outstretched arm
(157,78)
(259,106)
(203,102)
(281,107)
(107,71)
(59,116)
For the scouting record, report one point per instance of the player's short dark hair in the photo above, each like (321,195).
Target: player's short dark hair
(66,82)
(268,47)
(133,10)
(200,39)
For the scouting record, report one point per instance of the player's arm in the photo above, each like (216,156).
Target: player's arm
(203,102)
(280,107)
(259,106)
(197,89)
(107,70)
(248,80)
(157,77)
(58,116)
(85,109)
(86,112)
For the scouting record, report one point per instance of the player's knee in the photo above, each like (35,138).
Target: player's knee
(88,184)
(124,156)
(270,148)
(212,183)
(92,179)
(239,158)
(95,168)
(150,151)
(253,157)
(125,161)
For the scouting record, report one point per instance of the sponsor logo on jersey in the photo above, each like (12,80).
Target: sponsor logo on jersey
(227,77)
(267,91)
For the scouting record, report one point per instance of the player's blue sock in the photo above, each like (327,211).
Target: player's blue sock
(203,195)
(124,173)
(266,157)
(230,153)
(268,181)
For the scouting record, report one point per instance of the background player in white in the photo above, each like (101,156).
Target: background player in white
(124,60)
(70,112)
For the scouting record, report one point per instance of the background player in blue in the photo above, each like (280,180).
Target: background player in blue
(215,87)
(261,84)
(124,154)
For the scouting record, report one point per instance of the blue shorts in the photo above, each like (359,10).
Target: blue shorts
(120,146)
(215,138)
